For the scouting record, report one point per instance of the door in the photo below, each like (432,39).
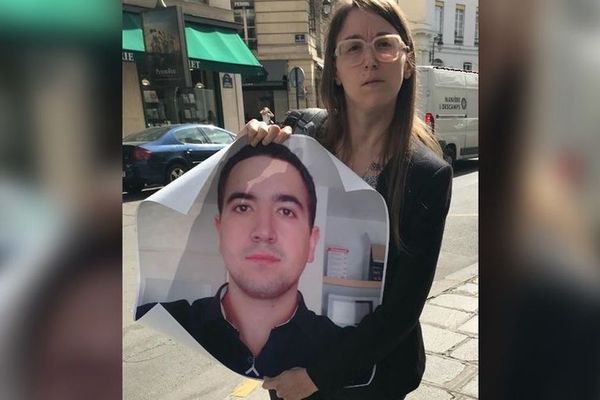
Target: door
(194,143)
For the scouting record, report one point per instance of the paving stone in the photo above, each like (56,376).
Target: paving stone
(440,340)
(464,274)
(439,287)
(443,317)
(471,326)
(456,301)
(440,370)
(468,351)
(467,288)
(472,387)
(426,392)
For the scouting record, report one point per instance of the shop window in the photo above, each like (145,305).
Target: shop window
(205,95)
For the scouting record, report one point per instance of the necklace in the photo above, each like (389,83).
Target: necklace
(370,173)
(374,167)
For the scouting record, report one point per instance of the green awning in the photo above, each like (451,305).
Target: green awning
(217,49)
(220,49)
(133,37)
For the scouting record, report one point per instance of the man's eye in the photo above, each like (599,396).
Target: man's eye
(286,212)
(241,208)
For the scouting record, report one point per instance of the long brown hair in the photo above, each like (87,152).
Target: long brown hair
(402,129)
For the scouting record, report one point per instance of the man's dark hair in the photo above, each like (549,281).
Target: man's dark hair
(276,151)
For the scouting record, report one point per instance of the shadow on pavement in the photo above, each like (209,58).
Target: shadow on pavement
(141,195)
(463,167)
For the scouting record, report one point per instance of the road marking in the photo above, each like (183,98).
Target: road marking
(245,388)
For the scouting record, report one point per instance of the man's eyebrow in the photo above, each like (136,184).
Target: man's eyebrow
(288,198)
(239,195)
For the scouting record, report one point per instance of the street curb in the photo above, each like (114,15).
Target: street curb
(453,280)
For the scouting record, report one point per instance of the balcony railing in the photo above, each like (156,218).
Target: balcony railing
(458,39)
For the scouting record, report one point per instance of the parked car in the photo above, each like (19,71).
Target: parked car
(159,155)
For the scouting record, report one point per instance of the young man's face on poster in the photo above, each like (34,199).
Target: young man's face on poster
(264,232)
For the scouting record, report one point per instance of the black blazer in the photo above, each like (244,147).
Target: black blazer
(391,336)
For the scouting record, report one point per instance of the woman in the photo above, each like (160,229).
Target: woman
(369,88)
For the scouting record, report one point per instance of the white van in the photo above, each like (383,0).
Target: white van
(447,101)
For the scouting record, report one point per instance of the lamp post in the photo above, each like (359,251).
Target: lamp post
(437,40)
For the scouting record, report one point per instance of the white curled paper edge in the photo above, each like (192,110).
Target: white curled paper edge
(169,221)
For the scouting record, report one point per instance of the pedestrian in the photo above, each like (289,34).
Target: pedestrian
(266,115)
(368,88)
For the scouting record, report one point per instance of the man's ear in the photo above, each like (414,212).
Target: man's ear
(217,222)
(313,240)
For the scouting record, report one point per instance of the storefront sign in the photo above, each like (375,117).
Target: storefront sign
(227,81)
(166,54)
(127,56)
(300,38)
(194,64)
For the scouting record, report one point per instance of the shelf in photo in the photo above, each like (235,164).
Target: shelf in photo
(331,280)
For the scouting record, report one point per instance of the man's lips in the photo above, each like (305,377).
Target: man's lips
(263,257)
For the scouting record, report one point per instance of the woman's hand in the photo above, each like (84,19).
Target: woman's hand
(293,384)
(259,131)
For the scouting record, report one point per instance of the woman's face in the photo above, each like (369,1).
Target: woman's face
(370,84)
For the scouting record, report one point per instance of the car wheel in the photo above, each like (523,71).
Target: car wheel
(134,187)
(450,155)
(175,171)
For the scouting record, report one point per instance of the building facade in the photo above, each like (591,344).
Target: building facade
(446,32)
(287,38)
(217,60)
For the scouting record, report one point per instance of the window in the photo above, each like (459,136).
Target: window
(218,136)
(147,135)
(467,66)
(248,27)
(477,27)
(459,24)
(312,17)
(439,17)
(189,135)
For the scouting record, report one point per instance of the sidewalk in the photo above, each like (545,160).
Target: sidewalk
(450,329)
(451,334)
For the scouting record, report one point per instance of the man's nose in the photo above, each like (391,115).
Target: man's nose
(264,230)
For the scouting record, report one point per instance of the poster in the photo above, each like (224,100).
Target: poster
(190,277)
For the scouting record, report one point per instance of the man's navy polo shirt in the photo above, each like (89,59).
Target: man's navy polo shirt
(292,344)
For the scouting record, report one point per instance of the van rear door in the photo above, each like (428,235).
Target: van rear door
(449,107)
(472,120)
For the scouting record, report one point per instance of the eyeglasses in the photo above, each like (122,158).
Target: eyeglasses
(386,48)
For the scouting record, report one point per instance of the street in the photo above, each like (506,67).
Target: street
(155,367)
